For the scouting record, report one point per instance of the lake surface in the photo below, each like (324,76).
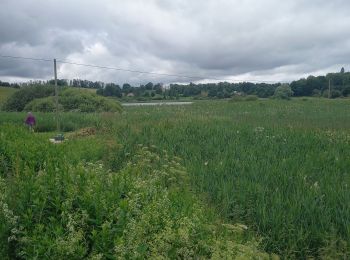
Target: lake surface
(156,104)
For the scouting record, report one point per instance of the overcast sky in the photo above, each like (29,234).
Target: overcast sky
(267,40)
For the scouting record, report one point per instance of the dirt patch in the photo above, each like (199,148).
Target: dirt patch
(83,132)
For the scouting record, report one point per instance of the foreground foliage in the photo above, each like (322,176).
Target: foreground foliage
(54,204)
(19,99)
(281,167)
(5,92)
(40,98)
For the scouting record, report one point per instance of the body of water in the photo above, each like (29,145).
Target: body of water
(156,104)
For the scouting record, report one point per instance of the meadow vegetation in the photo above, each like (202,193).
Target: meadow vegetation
(87,198)
(161,181)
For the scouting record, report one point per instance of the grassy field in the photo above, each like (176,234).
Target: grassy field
(279,167)
(5,93)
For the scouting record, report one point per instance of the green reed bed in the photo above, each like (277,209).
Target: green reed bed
(279,167)
(64,201)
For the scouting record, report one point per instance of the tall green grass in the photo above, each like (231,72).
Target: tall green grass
(46,122)
(280,167)
(64,201)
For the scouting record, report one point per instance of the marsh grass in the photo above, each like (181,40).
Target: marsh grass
(280,167)
(63,201)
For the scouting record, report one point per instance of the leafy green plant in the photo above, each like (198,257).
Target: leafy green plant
(283,92)
(251,98)
(72,99)
(69,208)
(278,167)
(41,105)
(19,99)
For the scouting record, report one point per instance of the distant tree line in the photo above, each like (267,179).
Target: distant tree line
(311,86)
(222,89)
(319,86)
(9,85)
(79,83)
(174,91)
(150,90)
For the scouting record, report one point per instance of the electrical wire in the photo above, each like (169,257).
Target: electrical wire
(129,70)
(25,58)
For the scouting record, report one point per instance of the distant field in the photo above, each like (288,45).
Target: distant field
(5,93)
(279,167)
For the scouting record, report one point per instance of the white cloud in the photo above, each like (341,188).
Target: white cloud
(228,39)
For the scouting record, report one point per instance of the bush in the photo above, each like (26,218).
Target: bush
(40,99)
(346,91)
(334,93)
(236,99)
(283,92)
(251,98)
(22,97)
(316,93)
(83,101)
(41,105)
(157,98)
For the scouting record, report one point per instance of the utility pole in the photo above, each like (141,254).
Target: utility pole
(56,95)
(329,88)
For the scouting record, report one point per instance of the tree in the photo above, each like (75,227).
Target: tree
(149,86)
(342,71)
(212,92)
(112,90)
(126,88)
(346,91)
(158,88)
(283,92)
(220,94)
(18,100)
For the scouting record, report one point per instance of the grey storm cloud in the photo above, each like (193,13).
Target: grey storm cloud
(226,39)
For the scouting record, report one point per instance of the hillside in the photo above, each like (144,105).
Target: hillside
(40,98)
(5,93)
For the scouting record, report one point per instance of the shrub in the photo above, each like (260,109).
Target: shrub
(72,99)
(334,93)
(251,98)
(316,93)
(346,91)
(41,105)
(40,99)
(283,92)
(22,97)
(236,99)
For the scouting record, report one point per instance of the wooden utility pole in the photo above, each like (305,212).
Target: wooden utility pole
(329,88)
(56,96)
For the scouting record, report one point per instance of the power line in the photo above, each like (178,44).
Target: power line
(129,70)
(25,58)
